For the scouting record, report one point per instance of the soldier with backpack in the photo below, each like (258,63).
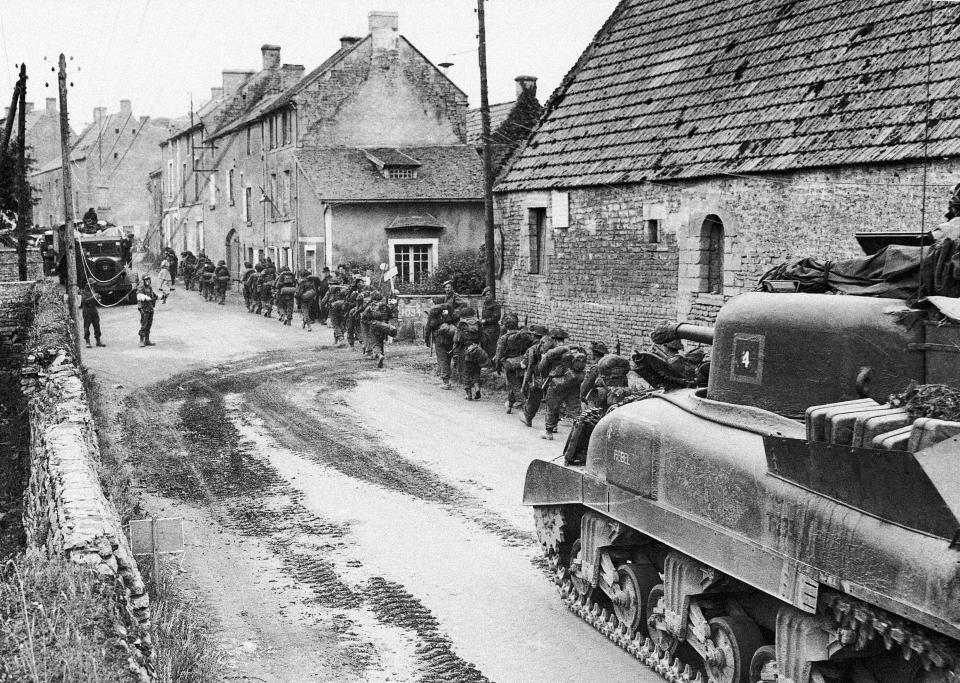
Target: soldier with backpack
(286,288)
(532,387)
(562,368)
(468,332)
(337,306)
(222,279)
(511,347)
(439,332)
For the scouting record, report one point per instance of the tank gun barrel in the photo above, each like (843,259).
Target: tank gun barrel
(675,331)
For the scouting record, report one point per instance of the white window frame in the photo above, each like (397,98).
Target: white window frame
(432,242)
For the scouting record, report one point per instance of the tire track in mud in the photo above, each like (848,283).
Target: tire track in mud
(208,462)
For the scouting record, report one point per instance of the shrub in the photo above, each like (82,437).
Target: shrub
(462,268)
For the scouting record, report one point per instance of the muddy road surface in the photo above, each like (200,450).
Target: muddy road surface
(342,522)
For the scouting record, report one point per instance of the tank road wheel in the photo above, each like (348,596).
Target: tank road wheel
(580,585)
(635,582)
(661,639)
(763,666)
(736,639)
(893,668)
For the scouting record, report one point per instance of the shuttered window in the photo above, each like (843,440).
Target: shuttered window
(537,220)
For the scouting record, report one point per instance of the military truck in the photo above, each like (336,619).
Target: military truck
(104,260)
(787,522)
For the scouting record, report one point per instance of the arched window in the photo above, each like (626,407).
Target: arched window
(711,255)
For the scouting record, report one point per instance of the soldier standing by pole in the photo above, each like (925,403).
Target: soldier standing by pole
(68,199)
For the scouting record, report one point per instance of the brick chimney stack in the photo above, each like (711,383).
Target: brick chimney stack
(51,105)
(216,93)
(99,113)
(384,28)
(290,74)
(125,108)
(526,84)
(28,108)
(271,56)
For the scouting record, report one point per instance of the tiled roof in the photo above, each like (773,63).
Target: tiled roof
(680,89)
(346,174)
(389,156)
(498,114)
(425,221)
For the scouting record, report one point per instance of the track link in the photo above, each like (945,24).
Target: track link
(634,642)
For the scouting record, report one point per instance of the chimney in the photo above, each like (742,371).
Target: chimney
(290,74)
(28,109)
(271,56)
(99,113)
(384,29)
(348,41)
(125,108)
(51,105)
(526,84)
(216,93)
(233,79)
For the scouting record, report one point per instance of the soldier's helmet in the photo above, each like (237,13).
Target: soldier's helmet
(258,267)
(247,264)
(539,330)
(468,312)
(221,262)
(511,321)
(559,333)
(599,348)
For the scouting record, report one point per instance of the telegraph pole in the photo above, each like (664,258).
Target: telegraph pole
(68,236)
(24,213)
(487,160)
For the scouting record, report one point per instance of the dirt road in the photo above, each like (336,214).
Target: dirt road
(343,522)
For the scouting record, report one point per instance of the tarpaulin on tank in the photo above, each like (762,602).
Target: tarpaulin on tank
(895,272)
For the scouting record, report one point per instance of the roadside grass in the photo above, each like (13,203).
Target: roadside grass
(56,623)
(184,645)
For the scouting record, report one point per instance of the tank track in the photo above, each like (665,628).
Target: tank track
(859,623)
(635,643)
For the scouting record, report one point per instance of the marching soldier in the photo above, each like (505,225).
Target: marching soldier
(562,368)
(146,299)
(222,279)
(490,311)
(440,331)
(377,316)
(532,387)
(286,288)
(511,347)
(91,316)
(248,274)
(337,305)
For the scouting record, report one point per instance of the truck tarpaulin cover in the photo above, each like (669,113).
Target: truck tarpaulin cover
(896,272)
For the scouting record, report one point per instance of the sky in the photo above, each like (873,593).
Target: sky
(157,53)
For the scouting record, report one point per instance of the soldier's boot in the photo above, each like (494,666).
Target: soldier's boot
(141,341)
(548,435)
(509,406)
(469,395)
(147,342)
(380,359)
(446,385)
(100,343)
(88,343)
(476,394)
(523,418)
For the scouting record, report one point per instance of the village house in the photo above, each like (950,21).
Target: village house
(510,122)
(363,160)
(42,131)
(110,161)
(692,147)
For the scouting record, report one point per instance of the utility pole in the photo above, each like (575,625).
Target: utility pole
(487,160)
(8,124)
(24,213)
(68,236)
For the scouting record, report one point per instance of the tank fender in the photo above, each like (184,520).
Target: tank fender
(683,578)
(549,483)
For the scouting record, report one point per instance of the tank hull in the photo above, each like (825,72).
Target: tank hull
(693,474)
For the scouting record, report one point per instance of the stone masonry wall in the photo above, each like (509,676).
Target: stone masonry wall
(604,280)
(65,511)
(9,265)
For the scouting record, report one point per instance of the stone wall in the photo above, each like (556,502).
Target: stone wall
(605,278)
(65,511)
(413,310)
(10,269)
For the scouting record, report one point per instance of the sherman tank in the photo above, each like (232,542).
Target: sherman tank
(785,522)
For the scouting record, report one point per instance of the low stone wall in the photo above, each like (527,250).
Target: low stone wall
(413,310)
(65,511)
(9,265)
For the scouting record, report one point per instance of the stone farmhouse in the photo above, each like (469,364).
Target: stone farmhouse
(694,145)
(362,160)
